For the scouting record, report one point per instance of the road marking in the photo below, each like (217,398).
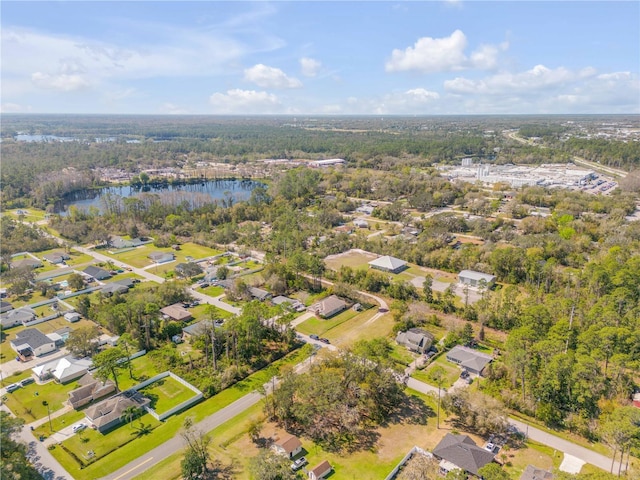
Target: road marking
(132,469)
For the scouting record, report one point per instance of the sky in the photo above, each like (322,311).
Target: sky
(450,57)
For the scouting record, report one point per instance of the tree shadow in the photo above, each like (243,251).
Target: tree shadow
(412,411)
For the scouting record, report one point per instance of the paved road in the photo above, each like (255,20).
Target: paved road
(565,446)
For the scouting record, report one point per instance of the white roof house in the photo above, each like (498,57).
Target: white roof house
(63,369)
(388,264)
(473,278)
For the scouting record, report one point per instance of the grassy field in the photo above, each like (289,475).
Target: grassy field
(166,393)
(172,425)
(320,326)
(30,215)
(212,291)
(26,402)
(361,327)
(138,257)
(351,259)
(452,372)
(58,423)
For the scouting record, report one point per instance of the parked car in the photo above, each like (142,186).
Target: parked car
(490,447)
(298,464)
(27,381)
(13,387)
(79,427)
(313,336)
(464,374)
(324,340)
(383,310)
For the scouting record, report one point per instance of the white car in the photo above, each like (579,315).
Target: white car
(13,387)
(79,427)
(490,447)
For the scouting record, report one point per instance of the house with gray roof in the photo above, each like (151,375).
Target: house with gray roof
(19,316)
(161,257)
(56,257)
(416,340)
(388,264)
(259,294)
(32,341)
(535,473)
(329,307)
(118,286)
(96,272)
(26,262)
(108,413)
(296,305)
(460,451)
(469,359)
(198,328)
(476,279)
(119,242)
(5,306)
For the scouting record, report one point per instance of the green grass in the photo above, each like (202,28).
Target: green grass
(26,402)
(26,299)
(452,373)
(320,326)
(213,291)
(172,425)
(401,355)
(58,423)
(78,258)
(166,393)
(32,215)
(14,377)
(354,260)
(200,312)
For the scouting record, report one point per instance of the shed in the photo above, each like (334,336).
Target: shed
(289,446)
(72,317)
(320,471)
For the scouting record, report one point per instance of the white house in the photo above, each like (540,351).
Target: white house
(320,471)
(63,369)
(30,342)
(388,264)
(72,317)
(288,445)
(475,279)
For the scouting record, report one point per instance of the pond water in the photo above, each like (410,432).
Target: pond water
(196,194)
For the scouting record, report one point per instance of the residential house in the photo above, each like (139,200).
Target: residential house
(198,328)
(296,305)
(469,359)
(320,471)
(365,209)
(476,279)
(72,317)
(108,413)
(161,257)
(32,342)
(119,286)
(96,273)
(289,446)
(388,264)
(535,473)
(460,451)
(188,270)
(90,390)
(329,306)
(177,312)
(344,229)
(56,257)
(119,242)
(63,370)
(5,306)
(416,340)
(19,316)
(26,262)
(259,294)
(360,223)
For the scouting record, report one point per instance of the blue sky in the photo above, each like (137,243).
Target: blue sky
(334,58)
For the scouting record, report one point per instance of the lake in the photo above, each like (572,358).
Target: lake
(196,194)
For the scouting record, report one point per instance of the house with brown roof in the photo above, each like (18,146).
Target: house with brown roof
(108,413)
(90,390)
(320,471)
(329,307)
(177,312)
(289,446)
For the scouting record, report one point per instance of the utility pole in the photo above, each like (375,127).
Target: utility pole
(566,347)
(46,404)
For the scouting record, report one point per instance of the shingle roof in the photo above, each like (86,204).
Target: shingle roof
(463,452)
(535,473)
(21,315)
(477,275)
(32,337)
(289,443)
(467,357)
(331,303)
(321,468)
(96,272)
(105,412)
(176,311)
(198,328)
(258,293)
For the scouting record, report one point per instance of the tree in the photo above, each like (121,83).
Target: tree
(420,467)
(108,363)
(82,341)
(466,335)
(196,458)
(129,414)
(222,272)
(268,465)
(427,288)
(493,471)
(456,474)
(76,281)
(437,375)
(13,455)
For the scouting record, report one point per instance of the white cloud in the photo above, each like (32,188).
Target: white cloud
(14,108)
(309,66)
(538,78)
(62,82)
(422,95)
(447,54)
(172,109)
(270,77)
(247,102)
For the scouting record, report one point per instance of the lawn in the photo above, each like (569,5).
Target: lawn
(31,214)
(200,312)
(172,425)
(401,355)
(138,257)
(104,444)
(166,393)
(26,299)
(78,258)
(452,372)
(26,402)
(320,326)
(58,423)
(361,328)
(212,291)
(351,259)
(531,454)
